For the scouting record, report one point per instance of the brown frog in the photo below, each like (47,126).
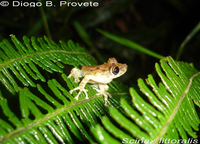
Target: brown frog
(98,76)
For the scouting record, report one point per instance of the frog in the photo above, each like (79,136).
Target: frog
(98,77)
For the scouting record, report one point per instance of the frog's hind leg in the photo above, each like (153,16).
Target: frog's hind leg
(103,91)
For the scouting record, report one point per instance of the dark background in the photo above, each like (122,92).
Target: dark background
(159,25)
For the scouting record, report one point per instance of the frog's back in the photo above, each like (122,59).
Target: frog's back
(95,70)
(98,74)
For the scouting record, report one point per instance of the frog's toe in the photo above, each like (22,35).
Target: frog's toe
(76,98)
(107,101)
(86,95)
(71,91)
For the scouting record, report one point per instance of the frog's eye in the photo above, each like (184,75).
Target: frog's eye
(115,70)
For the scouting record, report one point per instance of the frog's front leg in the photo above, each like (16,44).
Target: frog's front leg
(103,91)
(81,87)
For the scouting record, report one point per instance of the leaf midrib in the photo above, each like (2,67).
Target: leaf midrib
(51,51)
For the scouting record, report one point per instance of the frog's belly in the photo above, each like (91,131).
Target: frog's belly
(99,80)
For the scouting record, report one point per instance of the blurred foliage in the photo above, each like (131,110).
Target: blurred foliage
(158,25)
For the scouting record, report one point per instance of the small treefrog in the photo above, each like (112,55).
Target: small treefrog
(98,76)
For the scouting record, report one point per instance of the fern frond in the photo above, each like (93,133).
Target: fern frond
(168,115)
(52,115)
(23,60)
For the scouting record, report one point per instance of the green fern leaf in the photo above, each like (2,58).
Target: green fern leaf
(23,60)
(53,115)
(47,113)
(168,116)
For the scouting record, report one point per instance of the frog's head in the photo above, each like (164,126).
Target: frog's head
(116,69)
